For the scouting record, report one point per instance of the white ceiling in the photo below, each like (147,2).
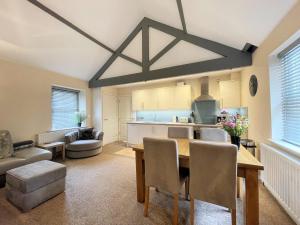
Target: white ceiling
(183,53)
(30,36)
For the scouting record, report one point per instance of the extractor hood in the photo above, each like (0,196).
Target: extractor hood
(204,90)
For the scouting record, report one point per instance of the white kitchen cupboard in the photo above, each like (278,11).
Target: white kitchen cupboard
(230,94)
(136,132)
(150,100)
(138,98)
(182,97)
(133,134)
(166,98)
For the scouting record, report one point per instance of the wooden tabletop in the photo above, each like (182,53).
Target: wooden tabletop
(244,159)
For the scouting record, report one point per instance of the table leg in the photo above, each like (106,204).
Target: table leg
(140,176)
(238,187)
(63,152)
(252,201)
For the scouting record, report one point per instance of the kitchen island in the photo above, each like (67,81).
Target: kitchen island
(137,130)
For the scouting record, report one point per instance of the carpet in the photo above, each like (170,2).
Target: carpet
(128,152)
(101,190)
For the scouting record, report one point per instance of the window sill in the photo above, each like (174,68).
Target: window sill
(290,148)
(60,129)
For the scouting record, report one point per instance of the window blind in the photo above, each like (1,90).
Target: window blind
(65,104)
(290,89)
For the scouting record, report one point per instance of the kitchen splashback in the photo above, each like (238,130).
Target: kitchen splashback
(161,116)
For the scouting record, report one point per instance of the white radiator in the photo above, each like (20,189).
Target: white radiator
(53,136)
(281,176)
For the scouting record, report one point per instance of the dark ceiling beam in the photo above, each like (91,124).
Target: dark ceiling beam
(180,9)
(199,67)
(77,29)
(213,46)
(131,59)
(230,57)
(121,48)
(164,50)
(249,48)
(145,47)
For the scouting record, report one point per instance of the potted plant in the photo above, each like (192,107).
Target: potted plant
(236,126)
(80,118)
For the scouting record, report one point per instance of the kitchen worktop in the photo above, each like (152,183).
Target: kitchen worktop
(173,124)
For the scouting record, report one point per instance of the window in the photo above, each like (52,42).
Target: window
(290,92)
(65,104)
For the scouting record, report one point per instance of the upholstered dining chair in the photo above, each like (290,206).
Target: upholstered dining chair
(180,132)
(218,135)
(162,170)
(213,173)
(213,134)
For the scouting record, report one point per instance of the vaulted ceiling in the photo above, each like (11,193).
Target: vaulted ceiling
(28,35)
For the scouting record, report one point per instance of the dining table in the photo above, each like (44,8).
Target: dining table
(248,168)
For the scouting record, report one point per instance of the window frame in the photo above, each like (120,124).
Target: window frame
(274,62)
(281,55)
(59,88)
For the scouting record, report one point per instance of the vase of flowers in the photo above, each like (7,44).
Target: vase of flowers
(236,126)
(80,118)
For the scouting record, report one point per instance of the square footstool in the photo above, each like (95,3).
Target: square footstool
(30,185)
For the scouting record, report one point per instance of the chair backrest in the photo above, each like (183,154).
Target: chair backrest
(161,164)
(213,172)
(180,132)
(213,134)
(6,146)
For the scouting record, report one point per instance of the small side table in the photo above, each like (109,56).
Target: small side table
(55,145)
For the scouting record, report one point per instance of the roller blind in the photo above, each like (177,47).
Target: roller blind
(65,104)
(290,89)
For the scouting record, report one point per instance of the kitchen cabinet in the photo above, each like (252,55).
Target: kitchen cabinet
(166,98)
(136,132)
(150,100)
(138,100)
(230,94)
(144,100)
(133,133)
(182,97)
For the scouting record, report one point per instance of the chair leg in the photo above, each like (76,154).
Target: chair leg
(187,188)
(175,212)
(233,216)
(192,208)
(146,204)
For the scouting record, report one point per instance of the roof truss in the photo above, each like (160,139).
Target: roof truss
(232,58)
(78,30)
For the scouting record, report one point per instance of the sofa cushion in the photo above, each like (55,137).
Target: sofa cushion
(10,163)
(86,133)
(33,154)
(82,145)
(6,147)
(71,137)
(33,176)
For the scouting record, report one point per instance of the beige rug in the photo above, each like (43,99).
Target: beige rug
(101,190)
(128,152)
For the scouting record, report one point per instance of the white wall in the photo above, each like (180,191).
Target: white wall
(259,107)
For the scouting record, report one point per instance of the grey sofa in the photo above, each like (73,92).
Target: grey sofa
(19,157)
(76,148)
